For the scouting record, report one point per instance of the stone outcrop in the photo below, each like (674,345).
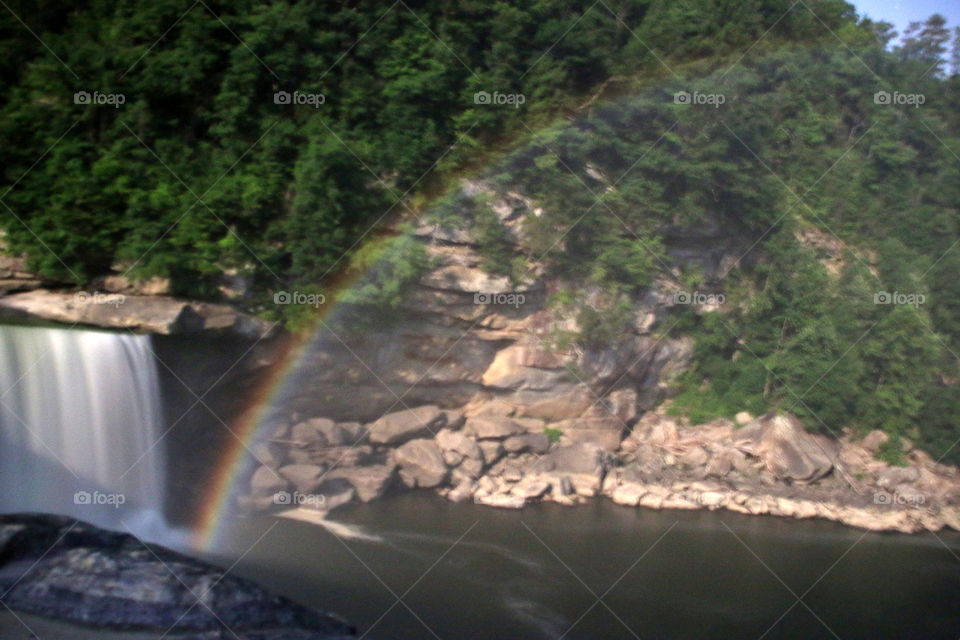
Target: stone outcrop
(71,571)
(787,450)
(149,314)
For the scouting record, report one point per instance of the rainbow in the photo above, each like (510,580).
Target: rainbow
(235,464)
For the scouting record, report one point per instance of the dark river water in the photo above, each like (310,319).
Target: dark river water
(416,566)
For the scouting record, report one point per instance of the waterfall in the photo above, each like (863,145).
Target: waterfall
(80,423)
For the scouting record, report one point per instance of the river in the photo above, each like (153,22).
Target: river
(416,566)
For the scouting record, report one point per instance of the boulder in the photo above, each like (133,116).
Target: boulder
(558,403)
(874,440)
(720,464)
(65,570)
(265,482)
(787,450)
(268,453)
(401,426)
(530,488)
(455,418)
(488,427)
(421,463)
(895,476)
(656,429)
(370,482)
(620,404)
(537,443)
(492,450)
(460,443)
(462,492)
(471,467)
(336,492)
(606,432)
(353,432)
(582,458)
(304,477)
(500,500)
(318,432)
(743,418)
(628,494)
(695,457)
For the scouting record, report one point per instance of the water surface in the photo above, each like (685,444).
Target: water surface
(420,567)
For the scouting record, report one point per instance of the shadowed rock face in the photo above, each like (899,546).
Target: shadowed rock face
(60,568)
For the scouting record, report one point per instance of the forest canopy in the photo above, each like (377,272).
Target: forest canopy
(270,139)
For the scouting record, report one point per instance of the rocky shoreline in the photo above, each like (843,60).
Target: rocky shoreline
(764,466)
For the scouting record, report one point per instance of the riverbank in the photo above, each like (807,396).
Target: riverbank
(765,466)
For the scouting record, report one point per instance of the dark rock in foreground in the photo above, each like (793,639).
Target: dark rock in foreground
(61,568)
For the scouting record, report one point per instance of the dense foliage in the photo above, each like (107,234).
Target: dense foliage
(843,309)
(199,170)
(205,168)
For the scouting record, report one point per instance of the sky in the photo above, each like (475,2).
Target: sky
(902,12)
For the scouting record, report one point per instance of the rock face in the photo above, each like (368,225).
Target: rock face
(788,450)
(510,414)
(67,570)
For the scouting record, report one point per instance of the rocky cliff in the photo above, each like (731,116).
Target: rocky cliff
(469,392)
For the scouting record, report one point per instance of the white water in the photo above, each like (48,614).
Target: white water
(80,424)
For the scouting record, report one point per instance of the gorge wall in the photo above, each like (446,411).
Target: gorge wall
(468,391)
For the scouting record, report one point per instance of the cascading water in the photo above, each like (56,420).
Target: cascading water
(80,420)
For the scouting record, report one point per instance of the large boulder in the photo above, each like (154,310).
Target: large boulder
(70,571)
(421,463)
(370,482)
(317,432)
(487,427)
(305,477)
(787,450)
(583,458)
(656,429)
(459,443)
(533,442)
(605,432)
(265,482)
(401,426)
